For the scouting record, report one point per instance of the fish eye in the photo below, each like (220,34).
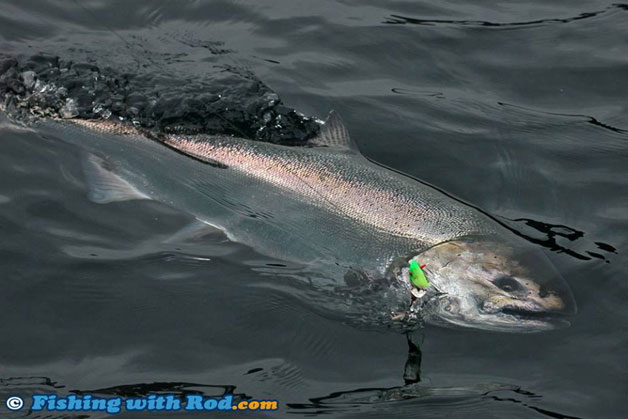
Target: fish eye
(508,284)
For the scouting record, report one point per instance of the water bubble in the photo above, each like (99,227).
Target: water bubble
(101,110)
(98,108)
(271,98)
(69,110)
(29,79)
(39,86)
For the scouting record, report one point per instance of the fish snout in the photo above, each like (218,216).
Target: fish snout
(534,306)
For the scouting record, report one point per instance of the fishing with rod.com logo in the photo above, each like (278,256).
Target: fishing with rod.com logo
(149,403)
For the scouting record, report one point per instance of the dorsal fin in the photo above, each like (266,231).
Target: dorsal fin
(333,134)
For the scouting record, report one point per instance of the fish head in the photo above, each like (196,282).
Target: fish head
(494,284)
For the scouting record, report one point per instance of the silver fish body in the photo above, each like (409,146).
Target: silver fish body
(373,213)
(326,206)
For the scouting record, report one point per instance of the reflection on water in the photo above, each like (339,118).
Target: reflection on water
(412,393)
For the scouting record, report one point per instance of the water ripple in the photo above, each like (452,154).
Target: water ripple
(403,20)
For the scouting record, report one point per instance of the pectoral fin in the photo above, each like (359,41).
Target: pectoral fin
(106,186)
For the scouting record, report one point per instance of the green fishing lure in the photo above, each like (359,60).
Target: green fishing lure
(417,276)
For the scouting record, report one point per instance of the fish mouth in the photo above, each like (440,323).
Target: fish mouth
(552,319)
(526,314)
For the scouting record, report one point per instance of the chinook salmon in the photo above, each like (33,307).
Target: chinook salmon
(328,206)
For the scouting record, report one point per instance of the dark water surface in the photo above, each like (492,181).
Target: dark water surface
(518,108)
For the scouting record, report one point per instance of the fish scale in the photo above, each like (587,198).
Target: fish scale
(344,183)
(323,202)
